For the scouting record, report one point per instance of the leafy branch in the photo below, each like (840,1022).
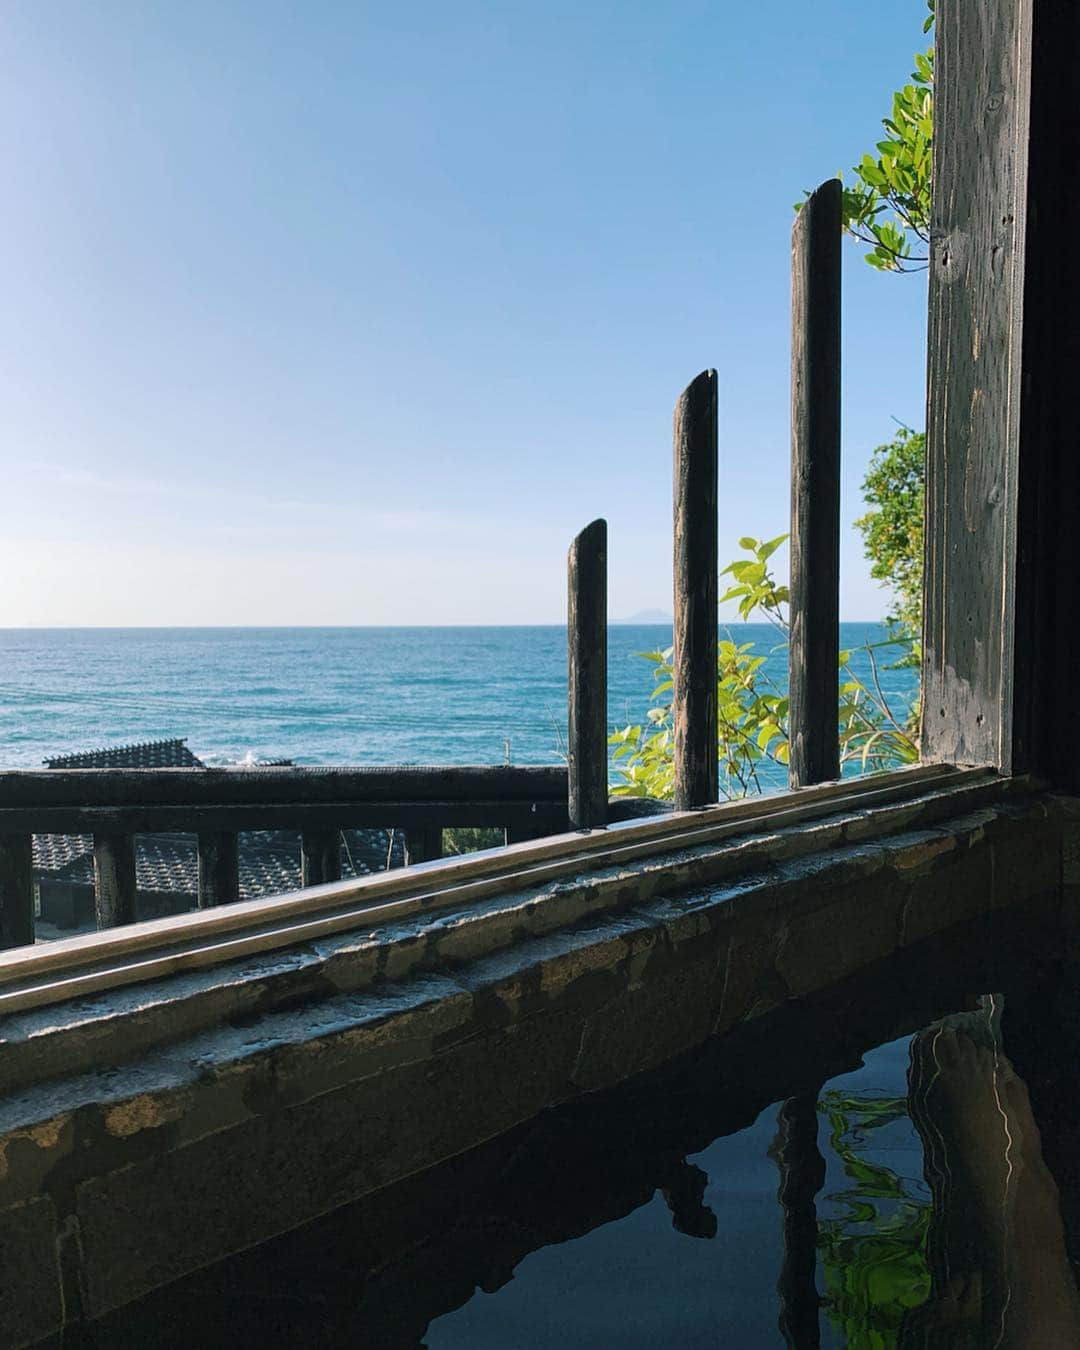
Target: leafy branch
(888,206)
(752,710)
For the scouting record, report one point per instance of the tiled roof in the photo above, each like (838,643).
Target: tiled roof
(172,754)
(54,853)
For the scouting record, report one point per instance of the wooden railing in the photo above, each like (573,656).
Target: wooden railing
(114,805)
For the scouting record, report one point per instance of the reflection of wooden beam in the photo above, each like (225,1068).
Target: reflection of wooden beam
(802,1174)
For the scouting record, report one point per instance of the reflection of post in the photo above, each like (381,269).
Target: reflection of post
(802,1174)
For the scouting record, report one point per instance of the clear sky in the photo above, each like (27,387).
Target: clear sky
(322,312)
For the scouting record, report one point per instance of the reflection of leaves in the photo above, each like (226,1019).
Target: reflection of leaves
(874,1252)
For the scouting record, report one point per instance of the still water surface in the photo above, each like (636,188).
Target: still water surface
(920,1203)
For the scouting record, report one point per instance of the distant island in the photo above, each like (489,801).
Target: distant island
(646,616)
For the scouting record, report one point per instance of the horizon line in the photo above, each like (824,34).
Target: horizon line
(345,627)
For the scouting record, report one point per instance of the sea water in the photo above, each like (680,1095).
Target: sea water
(340,695)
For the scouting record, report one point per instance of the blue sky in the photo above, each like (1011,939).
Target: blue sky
(355,313)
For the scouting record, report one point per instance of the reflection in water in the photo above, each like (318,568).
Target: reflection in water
(999,1267)
(646,1216)
(802,1174)
(873,1244)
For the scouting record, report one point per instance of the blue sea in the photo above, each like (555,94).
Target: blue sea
(333,695)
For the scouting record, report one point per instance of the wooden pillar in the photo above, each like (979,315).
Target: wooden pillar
(802,1175)
(423,846)
(814,647)
(1001,650)
(114,879)
(16,890)
(219,868)
(320,857)
(697,780)
(586,641)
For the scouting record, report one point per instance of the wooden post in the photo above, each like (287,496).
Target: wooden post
(586,642)
(522,834)
(422,846)
(16,890)
(114,879)
(814,647)
(802,1175)
(219,868)
(320,857)
(697,780)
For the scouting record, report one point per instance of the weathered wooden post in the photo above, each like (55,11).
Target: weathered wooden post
(320,857)
(423,845)
(586,643)
(16,890)
(219,868)
(696,760)
(114,879)
(814,646)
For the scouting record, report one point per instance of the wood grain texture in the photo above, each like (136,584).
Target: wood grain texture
(982,104)
(697,780)
(219,868)
(16,890)
(814,644)
(587,729)
(320,857)
(114,879)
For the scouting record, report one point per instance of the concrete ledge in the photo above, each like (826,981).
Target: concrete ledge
(345,1067)
(104,1028)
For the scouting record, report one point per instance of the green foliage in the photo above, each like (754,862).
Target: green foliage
(888,206)
(469,838)
(892,528)
(752,711)
(874,1252)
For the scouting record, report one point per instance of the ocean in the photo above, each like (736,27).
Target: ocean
(332,695)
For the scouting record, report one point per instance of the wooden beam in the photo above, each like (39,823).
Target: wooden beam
(546,817)
(814,644)
(114,879)
(16,890)
(697,781)
(976,342)
(219,868)
(587,732)
(282,786)
(320,857)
